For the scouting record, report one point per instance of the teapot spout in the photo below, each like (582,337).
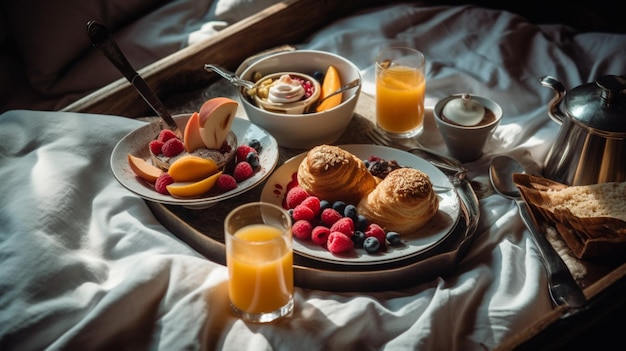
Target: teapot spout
(559,90)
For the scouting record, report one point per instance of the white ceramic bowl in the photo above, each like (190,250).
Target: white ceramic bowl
(303,131)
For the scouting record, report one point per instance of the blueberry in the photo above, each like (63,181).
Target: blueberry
(324,204)
(319,76)
(255,144)
(350,211)
(361,223)
(358,238)
(394,238)
(253,159)
(339,206)
(371,244)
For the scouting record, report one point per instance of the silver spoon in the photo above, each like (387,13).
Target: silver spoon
(230,76)
(353,84)
(102,39)
(562,286)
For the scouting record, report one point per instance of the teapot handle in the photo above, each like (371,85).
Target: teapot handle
(559,89)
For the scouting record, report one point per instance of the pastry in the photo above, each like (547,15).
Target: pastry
(402,202)
(333,174)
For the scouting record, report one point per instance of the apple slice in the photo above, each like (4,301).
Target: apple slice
(143,169)
(216,118)
(191,136)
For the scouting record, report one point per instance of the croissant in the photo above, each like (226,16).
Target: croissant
(402,202)
(332,173)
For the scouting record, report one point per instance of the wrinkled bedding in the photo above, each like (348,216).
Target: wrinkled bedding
(85,264)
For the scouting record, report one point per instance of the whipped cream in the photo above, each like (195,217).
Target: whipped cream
(464,111)
(285,90)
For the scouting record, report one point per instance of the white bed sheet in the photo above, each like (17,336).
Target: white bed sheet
(85,265)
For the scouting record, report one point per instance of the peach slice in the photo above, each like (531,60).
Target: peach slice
(143,169)
(331,83)
(191,137)
(189,190)
(216,117)
(192,168)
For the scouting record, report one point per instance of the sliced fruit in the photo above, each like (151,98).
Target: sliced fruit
(143,169)
(216,117)
(192,168)
(331,83)
(191,136)
(188,190)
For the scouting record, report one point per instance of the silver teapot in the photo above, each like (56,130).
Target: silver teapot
(591,145)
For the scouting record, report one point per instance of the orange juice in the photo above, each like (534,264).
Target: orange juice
(260,267)
(400,99)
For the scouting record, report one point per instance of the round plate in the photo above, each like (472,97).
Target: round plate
(427,237)
(136,143)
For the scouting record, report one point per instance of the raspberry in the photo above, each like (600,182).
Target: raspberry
(329,216)
(242,171)
(166,135)
(156,146)
(312,202)
(344,225)
(162,182)
(303,212)
(226,182)
(242,152)
(173,147)
(295,196)
(339,242)
(320,234)
(378,232)
(301,229)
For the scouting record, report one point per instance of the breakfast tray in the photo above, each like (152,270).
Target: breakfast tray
(176,79)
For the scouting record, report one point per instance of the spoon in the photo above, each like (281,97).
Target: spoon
(353,84)
(102,39)
(230,76)
(562,286)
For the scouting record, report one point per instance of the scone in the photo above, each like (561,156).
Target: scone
(403,202)
(332,173)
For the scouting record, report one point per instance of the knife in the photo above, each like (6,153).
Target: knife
(102,39)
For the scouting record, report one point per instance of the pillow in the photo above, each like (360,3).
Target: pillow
(50,34)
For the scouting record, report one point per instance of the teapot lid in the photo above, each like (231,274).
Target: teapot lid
(600,105)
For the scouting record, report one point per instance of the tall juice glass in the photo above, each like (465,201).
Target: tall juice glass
(259,257)
(400,90)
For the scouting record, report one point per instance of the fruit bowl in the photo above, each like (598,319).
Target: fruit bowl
(303,130)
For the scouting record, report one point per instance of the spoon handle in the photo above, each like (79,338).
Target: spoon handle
(102,40)
(230,76)
(562,286)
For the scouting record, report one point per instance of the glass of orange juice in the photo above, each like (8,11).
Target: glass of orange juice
(259,257)
(400,90)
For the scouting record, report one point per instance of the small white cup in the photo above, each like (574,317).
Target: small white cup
(466,143)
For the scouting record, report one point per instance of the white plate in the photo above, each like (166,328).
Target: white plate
(426,238)
(136,143)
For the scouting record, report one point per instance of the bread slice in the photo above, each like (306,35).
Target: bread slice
(590,218)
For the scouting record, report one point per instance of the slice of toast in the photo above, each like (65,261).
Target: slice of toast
(591,219)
